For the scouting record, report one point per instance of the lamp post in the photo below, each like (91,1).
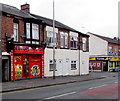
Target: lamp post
(53,42)
(79,44)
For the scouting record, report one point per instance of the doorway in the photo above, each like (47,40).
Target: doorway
(60,67)
(5,70)
(105,66)
(67,67)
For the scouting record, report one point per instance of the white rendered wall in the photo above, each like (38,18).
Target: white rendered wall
(63,55)
(84,63)
(97,46)
(60,54)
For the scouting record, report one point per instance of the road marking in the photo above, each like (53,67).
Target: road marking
(60,95)
(97,86)
(34,88)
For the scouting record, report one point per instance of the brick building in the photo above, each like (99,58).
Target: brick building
(27,46)
(104,53)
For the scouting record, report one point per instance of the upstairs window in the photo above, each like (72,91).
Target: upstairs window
(28,30)
(73,42)
(84,44)
(15,35)
(32,33)
(50,40)
(35,31)
(110,49)
(63,40)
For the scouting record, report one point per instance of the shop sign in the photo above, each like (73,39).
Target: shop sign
(102,58)
(115,59)
(28,50)
(92,59)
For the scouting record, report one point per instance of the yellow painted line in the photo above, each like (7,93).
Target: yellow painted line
(33,88)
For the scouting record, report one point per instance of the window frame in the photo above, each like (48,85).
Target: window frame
(84,40)
(50,37)
(73,64)
(16,30)
(73,42)
(51,63)
(30,29)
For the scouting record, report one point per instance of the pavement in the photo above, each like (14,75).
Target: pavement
(42,82)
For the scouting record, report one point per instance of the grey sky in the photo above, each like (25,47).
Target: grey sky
(96,16)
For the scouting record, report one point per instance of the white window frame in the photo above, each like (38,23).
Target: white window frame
(110,49)
(51,66)
(35,31)
(28,30)
(50,38)
(73,42)
(73,65)
(15,36)
(66,40)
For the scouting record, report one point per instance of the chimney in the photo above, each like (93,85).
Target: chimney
(25,7)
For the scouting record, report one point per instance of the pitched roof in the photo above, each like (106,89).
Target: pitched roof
(110,40)
(15,11)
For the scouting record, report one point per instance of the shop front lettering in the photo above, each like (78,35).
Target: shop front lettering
(26,48)
(100,58)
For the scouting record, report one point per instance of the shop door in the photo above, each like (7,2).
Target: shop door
(35,66)
(25,66)
(105,66)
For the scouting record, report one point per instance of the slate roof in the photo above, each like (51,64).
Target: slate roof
(110,40)
(15,11)
(57,23)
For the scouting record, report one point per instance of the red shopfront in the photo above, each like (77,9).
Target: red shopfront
(27,62)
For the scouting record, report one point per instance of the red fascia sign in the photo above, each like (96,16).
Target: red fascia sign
(28,50)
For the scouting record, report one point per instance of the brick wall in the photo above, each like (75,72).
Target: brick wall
(7,28)
(115,47)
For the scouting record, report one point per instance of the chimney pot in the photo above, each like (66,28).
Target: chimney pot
(25,7)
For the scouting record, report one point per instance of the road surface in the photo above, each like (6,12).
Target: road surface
(106,88)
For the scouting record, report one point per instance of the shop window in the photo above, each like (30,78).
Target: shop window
(50,39)
(73,42)
(63,40)
(73,65)
(15,35)
(84,44)
(111,64)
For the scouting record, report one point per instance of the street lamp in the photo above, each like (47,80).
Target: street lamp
(79,44)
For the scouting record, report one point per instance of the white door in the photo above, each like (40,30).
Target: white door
(60,66)
(67,64)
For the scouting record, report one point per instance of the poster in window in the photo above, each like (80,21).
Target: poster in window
(98,64)
(94,64)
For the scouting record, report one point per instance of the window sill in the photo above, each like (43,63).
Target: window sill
(64,48)
(74,49)
(74,69)
(52,70)
(51,47)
